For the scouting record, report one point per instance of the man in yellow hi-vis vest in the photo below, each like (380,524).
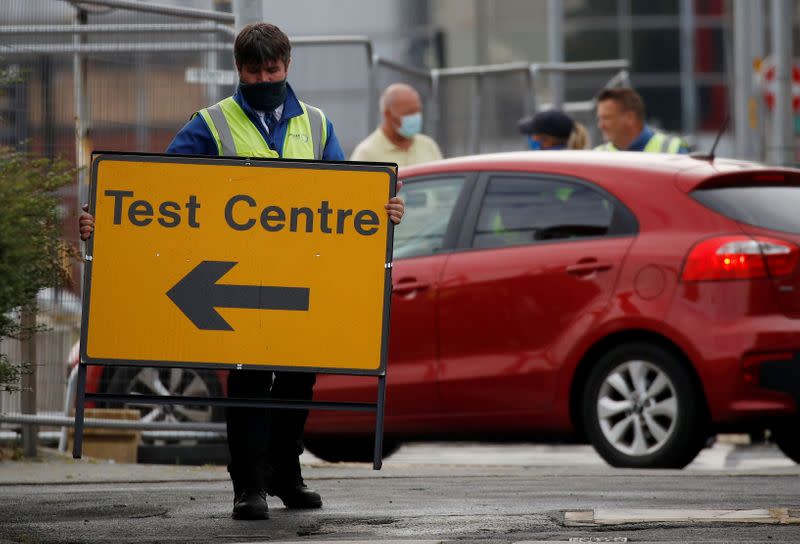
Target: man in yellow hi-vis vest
(620,117)
(263,118)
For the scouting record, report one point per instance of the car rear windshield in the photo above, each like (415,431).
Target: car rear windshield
(769,207)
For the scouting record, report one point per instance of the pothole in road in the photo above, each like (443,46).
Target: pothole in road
(335,525)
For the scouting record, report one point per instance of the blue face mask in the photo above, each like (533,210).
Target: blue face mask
(410,125)
(534,144)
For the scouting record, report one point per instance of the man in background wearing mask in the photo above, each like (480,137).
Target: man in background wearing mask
(398,139)
(263,118)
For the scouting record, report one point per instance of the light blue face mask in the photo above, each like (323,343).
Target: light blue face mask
(410,125)
(535,145)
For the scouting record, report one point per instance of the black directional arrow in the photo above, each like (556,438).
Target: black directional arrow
(197,294)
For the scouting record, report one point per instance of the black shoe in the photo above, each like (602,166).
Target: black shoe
(250,504)
(297,496)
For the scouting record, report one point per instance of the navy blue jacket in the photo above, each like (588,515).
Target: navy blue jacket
(195,137)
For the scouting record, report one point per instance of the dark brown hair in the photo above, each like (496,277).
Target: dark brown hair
(258,43)
(627,98)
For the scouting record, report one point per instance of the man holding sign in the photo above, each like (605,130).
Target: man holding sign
(264,118)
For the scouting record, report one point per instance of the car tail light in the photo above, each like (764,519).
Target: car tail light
(740,258)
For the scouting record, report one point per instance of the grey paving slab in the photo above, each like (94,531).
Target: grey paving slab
(610,516)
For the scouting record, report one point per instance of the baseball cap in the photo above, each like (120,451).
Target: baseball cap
(554,123)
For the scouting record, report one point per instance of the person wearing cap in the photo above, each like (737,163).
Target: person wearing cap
(621,119)
(398,139)
(553,130)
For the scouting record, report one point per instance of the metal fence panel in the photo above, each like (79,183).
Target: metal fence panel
(335,78)
(58,318)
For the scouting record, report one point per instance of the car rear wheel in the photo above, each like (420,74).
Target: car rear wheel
(786,437)
(349,450)
(168,382)
(641,409)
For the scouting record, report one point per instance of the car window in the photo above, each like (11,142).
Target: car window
(524,210)
(429,205)
(774,208)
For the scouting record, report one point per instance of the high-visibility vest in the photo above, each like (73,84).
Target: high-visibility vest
(236,135)
(659,143)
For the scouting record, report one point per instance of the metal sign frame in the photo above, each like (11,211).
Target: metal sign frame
(380,373)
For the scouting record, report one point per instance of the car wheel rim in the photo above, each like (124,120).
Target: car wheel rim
(637,408)
(170,382)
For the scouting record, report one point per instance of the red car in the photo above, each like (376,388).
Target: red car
(640,301)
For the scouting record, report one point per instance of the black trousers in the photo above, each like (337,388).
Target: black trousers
(265,444)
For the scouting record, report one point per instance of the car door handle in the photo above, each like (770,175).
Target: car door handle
(409,285)
(586,268)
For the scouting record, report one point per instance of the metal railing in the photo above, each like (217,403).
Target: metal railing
(161,9)
(118,28)
(171,430)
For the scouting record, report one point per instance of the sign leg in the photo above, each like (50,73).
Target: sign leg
(377,460)
(77,445)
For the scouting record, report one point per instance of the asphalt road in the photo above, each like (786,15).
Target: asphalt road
(425,493)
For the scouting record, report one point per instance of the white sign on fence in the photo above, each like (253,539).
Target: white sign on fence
(208,75)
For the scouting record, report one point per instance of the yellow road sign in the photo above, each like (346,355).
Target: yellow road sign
(238,262)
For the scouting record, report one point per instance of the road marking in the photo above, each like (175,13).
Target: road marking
(605,516)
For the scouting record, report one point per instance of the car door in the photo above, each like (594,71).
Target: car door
(422,243)
(539,256)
